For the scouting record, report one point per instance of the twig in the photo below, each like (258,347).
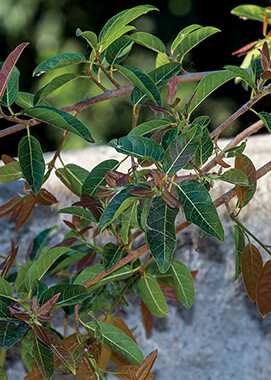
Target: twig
(83,104)
(133,255)
(112,80)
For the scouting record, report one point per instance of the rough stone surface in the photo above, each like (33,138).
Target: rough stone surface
(222,336)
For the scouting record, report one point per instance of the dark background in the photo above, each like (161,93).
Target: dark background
(50,27)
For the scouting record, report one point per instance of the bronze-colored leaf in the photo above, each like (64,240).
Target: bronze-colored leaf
(7,159)
(10,259)
(251,266)
(147,317)
(127,372)
(265,24)
(85,370)
(12,205)
(263,292)
(56,345)
(245,193)
(143,371)
(265,59)
(221,162)
(45,198)
(170,199)
(245,49)
(48,306)
(26,211)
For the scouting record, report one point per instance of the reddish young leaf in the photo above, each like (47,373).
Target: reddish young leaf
(86,261)
(144,370)
(85,370)
(245,49)
(7,159)
(245,193)
(20,314)
(142,192)
(12,205)
(154,108)
(8,65)
(66,242)
(170,199)
(147,317)
(251,266)
(222,163)
(11,257)
(265,24)
(263,292)
(48,306)
(45,198)
(266,74)
(69,224)
(26,211)
(56,345)
(265,59)
(172,89)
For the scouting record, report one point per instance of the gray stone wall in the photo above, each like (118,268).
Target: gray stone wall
(222,336)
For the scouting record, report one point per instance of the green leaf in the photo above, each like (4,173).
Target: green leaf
(205,149)
(252,12)
(117,340)
(114,37)
(6,290)
(116,26)
(164,278)
(111,255)
(41,266)
(181,36)
(52,86)
(90,37)
(266,119)
(39,242)
(3,375)
(142,81)
(12,88)
(118,50)
(26,100)
(235,176)
(73,177)
(181,150)
(161,59)
(120,274)
(239,240)
(10,172)
(152,295)
(60,119)
(117,205)
(32,162)
(183,282)
(139,147)
(193,38)
(96,177)
(242,73)
(199,208)
(11,329)
(236,151)
(149,41)
(76,253)
(44,358)
(20,279)
(78,211)
(160,232)
(207,85)
(150,126)
(160,76)
(70,294)
(61,60)
(128,220)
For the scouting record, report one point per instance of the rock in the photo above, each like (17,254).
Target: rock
(222,336)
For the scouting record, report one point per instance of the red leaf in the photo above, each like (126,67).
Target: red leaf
(170,199)
(66,242)
(7,159)
(263,292)
(48,306)
(154,108)
(251,266)
(26,210)
(86,261)
(265,24)
(142,192)
(147,317)
(45,198)
(266,74)
(265,59)
(8,65)
(9,261)
(245,193)
(221,162)
(172,89)
(243,50)
(11,206)
(145,368)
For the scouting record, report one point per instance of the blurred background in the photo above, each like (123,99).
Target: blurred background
(50,27)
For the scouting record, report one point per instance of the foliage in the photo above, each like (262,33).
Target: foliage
(145,200)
